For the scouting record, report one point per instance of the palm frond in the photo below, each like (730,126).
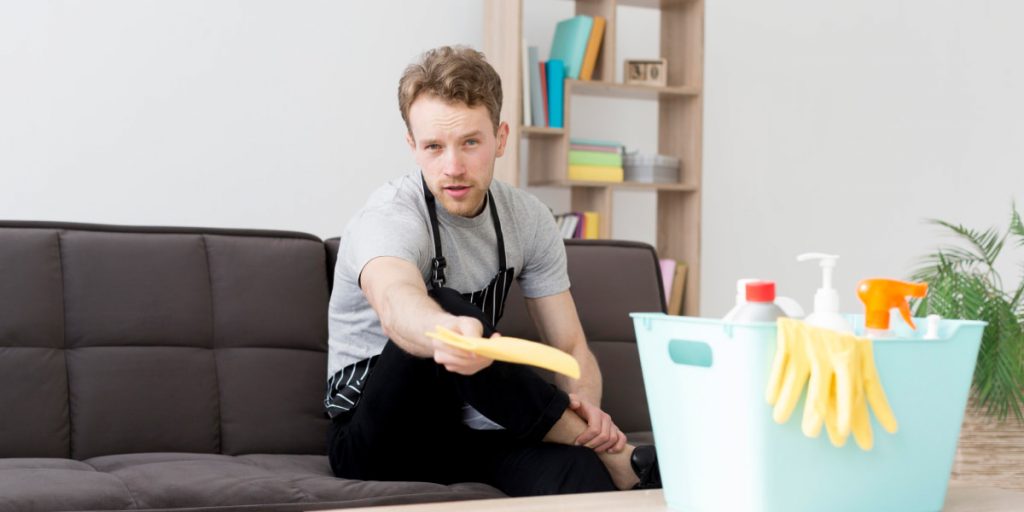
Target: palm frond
(1017,226)
(999,371)
(963,284)
(1016,301)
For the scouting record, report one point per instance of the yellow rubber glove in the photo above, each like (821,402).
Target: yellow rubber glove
(842,352)
(512,350)
(842,382)
(873,390)
(819,387)
(832,421)
(861,422)
(790,369)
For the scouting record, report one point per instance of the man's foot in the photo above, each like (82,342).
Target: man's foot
(644,462)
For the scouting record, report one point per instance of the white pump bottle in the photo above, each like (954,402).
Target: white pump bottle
(826,299)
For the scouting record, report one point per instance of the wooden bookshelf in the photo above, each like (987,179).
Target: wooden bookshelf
(680,121)
(541,131)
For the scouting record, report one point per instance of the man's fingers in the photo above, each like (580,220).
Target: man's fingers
(608,445)
(604,434)
(592,431)
(613,438)
(469,326)
(620,444)
(445,354)
(616,443)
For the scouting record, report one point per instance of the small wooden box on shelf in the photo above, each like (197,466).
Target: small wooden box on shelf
(680,123)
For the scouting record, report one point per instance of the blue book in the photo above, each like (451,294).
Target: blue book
(570,43)
(556,89)
(536,96)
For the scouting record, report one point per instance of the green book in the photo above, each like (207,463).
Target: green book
(595,158)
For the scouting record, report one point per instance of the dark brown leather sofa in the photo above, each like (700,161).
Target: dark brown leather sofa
(153,368)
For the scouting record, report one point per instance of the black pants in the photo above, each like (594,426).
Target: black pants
(408,426)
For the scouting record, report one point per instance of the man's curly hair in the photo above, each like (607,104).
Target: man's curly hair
(456,74)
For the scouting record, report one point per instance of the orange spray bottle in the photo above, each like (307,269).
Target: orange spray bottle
(881,295)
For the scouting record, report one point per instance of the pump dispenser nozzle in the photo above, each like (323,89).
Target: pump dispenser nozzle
(881,295)
(826,299)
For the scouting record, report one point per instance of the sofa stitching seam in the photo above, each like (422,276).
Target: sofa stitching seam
(131,495)
(213,347)
(64,336)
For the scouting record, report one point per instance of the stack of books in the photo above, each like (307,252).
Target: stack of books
(595,160)
(574,51)
(583,225)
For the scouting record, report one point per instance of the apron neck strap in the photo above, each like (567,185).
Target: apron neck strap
(438,264)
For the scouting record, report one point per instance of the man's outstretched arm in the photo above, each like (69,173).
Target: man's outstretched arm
(395,290)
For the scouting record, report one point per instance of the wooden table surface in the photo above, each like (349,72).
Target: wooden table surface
(961,497)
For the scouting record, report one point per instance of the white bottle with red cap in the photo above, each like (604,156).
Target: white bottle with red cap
(760,305)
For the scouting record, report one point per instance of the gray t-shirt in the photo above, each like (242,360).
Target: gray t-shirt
(395,222)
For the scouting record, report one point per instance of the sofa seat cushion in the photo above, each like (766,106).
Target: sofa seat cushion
(272,481)
(59,484)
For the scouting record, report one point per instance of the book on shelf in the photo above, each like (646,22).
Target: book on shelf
(591,221)
(555,73)
(579,225)
(595,173)
(609,144)
(527,109)
(567,224)
(599,158)
(602,149)
(570,43)
(542,70)
(675,297)
(536,97)
(668,272)
(593,49)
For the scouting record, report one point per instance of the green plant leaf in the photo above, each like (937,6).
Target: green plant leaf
(963,284)
(1017,226)
(986,245)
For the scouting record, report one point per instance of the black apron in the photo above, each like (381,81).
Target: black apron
(346,385)
(491,299)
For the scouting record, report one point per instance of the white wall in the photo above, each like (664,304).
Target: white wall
(828,126)
(840,126)
(273,114)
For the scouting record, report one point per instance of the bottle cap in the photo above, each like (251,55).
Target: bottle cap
(761,291)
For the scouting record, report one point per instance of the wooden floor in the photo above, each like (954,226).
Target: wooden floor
(990,453)
(962,497)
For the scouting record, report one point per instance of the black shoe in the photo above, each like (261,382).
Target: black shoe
(645,464)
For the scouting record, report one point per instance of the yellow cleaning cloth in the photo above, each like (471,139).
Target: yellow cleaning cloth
(512,350)
(842,381)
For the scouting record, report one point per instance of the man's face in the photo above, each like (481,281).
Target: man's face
(455,147)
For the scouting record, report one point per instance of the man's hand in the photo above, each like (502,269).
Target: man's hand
(457,360)
(601,434)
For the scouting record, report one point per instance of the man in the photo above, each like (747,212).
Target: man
(441,247)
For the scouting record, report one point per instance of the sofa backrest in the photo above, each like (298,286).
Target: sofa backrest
(132,339)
